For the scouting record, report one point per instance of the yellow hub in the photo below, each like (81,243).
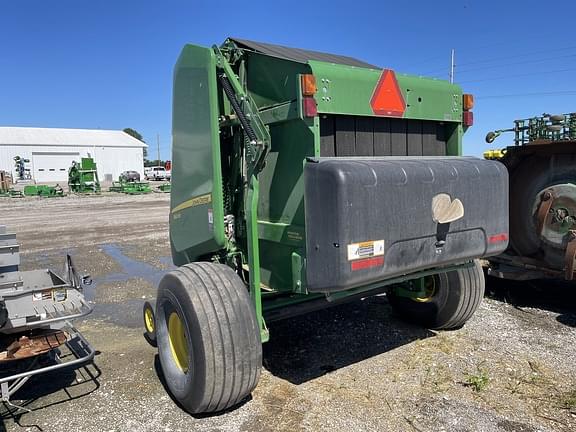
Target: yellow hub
(178,341)
(149,320)
(429,289)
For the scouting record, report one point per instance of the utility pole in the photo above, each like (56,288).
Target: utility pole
(452,67)
(158,146)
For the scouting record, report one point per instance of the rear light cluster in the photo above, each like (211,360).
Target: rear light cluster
(467,105)
(308,83)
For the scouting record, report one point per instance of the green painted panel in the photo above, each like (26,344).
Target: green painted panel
(272,80)
(281,203)
(196,215)
(348,90)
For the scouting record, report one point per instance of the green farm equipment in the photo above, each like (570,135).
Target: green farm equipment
(130,187)
(542,198)
(165,187)
(83,177)
(44,191)
(302,180)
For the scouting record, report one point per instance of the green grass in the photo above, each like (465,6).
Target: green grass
(568,400)
(478,380)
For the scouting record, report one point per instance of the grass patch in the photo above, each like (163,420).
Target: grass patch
(478,380)
(568,400)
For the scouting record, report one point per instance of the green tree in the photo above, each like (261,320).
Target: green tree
(138,136)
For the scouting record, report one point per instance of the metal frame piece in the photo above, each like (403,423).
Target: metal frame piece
(38,299)
(256,149)
(78,346)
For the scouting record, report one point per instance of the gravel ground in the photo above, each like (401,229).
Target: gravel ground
(354,367)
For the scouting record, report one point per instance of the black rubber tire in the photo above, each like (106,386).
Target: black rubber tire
(533,175)
(221,331)
(457,296)
(149,334)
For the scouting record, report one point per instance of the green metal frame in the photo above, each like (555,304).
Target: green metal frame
(265,101)
(255,155)
(43,191)
(546,127)
(130,188)
(83,177)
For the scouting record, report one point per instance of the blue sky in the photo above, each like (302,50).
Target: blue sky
(108,64)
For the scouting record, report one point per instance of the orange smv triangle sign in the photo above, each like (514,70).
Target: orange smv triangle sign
(387,99)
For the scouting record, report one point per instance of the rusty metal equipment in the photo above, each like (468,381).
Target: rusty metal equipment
(5,182)
(36,312)
(541,165)
(6,189)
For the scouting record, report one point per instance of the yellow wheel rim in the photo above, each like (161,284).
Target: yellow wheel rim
(178,341)
(429,288)
(149,320)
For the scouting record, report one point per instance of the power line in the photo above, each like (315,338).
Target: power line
(516,63)
(560,92)
(437,58)
(495,59)
(526,53)
(518,75)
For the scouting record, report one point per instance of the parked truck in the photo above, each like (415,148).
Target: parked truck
(541,165)
(303,180)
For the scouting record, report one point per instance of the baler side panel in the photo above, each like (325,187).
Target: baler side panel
(196,210)
(281,203)
(272,81)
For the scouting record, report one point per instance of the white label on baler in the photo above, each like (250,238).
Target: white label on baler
(365,249)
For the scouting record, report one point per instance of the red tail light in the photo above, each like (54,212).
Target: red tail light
(467,118)
(309,106)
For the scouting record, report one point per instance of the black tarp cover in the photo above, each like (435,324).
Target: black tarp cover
(300,55)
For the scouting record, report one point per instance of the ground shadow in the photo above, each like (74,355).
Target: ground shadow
(53,388)
(552,295)
(308,346)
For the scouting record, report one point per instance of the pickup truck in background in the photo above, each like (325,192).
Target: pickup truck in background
(157,173)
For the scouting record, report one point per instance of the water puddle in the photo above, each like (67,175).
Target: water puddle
(130,268)
(167,261)
(127,313)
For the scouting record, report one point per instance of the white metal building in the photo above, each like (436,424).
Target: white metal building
(51,151)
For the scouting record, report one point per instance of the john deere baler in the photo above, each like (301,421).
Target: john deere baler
(303,179)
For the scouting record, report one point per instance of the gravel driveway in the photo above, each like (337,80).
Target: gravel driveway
(355,367)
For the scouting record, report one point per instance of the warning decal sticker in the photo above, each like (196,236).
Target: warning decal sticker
(367,249)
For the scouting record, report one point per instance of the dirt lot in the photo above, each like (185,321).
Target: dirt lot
(355,367)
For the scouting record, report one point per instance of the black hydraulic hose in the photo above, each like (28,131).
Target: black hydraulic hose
(236,106)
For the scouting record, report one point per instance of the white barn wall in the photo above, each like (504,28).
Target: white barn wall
(110,160)
(115,160)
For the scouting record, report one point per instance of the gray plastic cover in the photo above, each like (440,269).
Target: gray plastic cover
(372,219)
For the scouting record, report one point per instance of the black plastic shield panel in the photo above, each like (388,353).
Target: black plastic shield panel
(368,220)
